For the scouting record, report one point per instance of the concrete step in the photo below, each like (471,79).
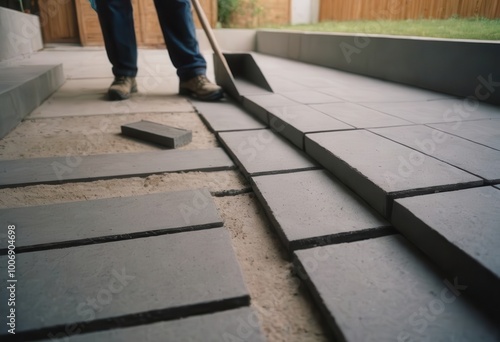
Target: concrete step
(23,88)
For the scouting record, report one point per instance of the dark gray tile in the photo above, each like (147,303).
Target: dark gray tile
(126,282)
(310,97)
(378,169)
(104,166)
(450,110)
(294,121)
(312,208)
(259,105)
(262,151)
(168,136)
(359,116)
(226,116)
(460,231)
(477,159)
(486,132)
(232,325)
(56,225)
(384,289)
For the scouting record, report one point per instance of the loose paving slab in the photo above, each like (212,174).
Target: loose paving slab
(126,283)
(168,136)
(379,170)
(313,208)
(384,289)
(486,132)
(232,325)
(359,116)
(87,222)
(477,159)
(294,121)
(104,166)
(460,231)
(260,104)
(226,116)
(263,152)
(449,110)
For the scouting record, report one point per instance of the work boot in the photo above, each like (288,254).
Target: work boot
(201,88)
(122,87)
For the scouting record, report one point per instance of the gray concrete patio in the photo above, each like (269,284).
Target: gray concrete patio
(339,207)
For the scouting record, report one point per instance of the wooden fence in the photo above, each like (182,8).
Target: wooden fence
(407,9)
(147,27)
(255,13)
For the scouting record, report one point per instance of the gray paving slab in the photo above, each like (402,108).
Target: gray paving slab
(384,289)
(460,231)
(281,84)
(379,169)
(226,116)
(168,136)
(359,116)
(497,186)
(313,208)
(82,97)
(381,91)
(232,325)
(24,88)
(126,282)
(104,166)
(86,222)
(477,159)
(259,105)
(486,132)
(294,121)
(262,151)
(449,110)
(310,97)
(246,88)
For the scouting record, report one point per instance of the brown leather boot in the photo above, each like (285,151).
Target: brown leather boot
(122,87)
(201,88)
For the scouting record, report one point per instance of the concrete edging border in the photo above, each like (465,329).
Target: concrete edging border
(465,68)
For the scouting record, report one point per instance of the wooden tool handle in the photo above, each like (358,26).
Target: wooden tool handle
(210,34)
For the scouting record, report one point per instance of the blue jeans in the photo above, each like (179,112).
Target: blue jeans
(176,21)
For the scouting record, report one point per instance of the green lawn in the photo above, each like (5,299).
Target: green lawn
(476,28)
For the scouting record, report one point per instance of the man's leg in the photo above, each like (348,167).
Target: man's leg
(178,29)
(117,25)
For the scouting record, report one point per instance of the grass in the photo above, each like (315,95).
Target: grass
(458,28)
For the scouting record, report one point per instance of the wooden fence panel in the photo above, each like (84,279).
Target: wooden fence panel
(147,27)
(406,9)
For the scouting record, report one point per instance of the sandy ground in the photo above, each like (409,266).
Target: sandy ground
(284,306)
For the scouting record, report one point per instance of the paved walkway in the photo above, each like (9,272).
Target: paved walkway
(359,178)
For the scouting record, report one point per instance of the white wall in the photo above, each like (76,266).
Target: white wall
(305,11)
(20,34)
